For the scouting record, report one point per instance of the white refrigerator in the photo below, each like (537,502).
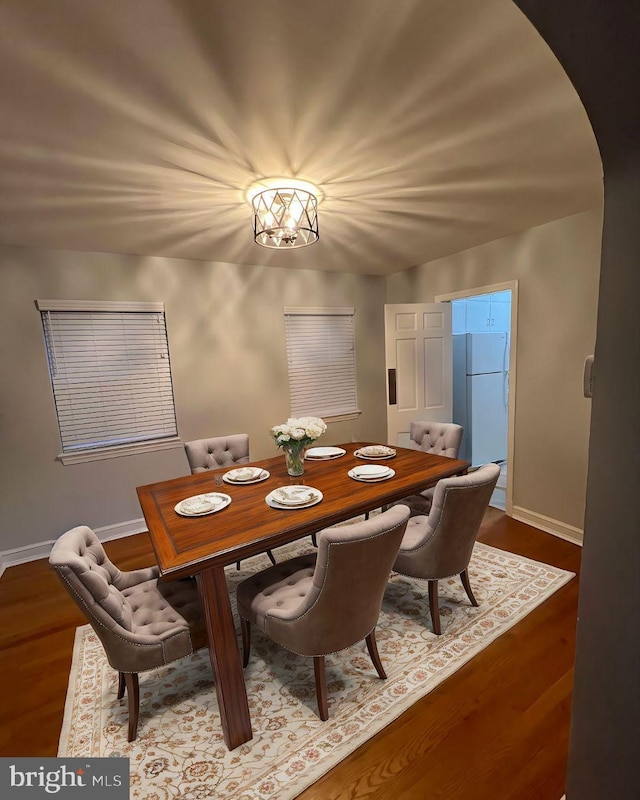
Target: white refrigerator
(481,394)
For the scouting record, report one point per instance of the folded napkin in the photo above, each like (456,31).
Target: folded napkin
(200,503)
(294,497)
(244,473)
(377,450)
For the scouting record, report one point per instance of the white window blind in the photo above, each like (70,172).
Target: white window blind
(321,360)
(110,373)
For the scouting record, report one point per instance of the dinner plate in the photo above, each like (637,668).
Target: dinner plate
(352,474)
(292,497)
(201,504)
(322,453)
(255,474)
(375,451)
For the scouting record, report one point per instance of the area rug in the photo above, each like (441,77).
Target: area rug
(180,753)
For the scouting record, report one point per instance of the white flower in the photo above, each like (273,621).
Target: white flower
(302,430)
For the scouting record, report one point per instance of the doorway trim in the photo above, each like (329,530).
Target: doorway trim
(513,338)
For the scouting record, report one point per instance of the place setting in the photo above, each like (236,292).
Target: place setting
(242,475)
(375,452)
(324,453)
(201,504)
(371,473)
(293,497)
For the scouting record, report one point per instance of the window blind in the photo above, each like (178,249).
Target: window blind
(321,361)
(110,373)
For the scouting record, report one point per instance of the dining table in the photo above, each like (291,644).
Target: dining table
(246,524)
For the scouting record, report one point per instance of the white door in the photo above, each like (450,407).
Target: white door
(418,348)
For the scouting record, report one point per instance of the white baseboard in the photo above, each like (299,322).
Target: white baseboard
(32,552)
(548,525)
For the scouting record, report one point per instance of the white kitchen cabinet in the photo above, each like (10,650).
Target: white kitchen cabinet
(489,313)
(479,313)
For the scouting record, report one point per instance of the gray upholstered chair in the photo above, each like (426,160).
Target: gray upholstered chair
(441,438)
(141,621)
(323,602)
(219,451)
(440,545)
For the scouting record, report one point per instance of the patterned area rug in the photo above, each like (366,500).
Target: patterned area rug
(179,752)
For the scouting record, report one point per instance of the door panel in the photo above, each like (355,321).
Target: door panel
(419,348)
(406,366)
(434,377)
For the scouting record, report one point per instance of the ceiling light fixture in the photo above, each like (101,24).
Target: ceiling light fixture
(284,215)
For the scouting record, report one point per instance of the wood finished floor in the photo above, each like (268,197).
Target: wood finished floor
(496,729)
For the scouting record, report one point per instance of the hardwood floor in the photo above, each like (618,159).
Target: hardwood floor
(496,729)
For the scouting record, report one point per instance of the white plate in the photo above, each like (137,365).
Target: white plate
(233,476)
(385,477)
(322,453)
(201,504)
(375,451)
(371,470)
(301,497)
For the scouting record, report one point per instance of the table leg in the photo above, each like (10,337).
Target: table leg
(225,657)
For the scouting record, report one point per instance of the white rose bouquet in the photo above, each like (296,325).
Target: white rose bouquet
(293,436)
(298,432)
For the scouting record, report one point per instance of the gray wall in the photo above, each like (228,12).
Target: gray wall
(597,42)
(557,266)
(228,357)
(226,338)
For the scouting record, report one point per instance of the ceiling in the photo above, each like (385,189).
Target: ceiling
(431,126)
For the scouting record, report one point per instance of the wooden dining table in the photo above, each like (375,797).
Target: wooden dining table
(203,546)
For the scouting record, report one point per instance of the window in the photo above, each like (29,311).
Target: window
(322,365)
(111,377)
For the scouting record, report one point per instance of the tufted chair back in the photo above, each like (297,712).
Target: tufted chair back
(220,451)
(141,621)
(441,438)
(323,602)
(440,545)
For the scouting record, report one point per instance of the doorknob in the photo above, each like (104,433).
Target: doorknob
(391,377)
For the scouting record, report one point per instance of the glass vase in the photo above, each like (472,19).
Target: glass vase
(294,458)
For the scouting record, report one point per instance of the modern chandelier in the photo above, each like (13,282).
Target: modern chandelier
(285,216)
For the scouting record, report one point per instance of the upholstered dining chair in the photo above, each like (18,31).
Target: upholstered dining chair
(325,601)
(142,621)
(440,545)
(219,451)
(441,438)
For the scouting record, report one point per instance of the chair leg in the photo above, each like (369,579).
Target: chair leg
(321,687)
(372,647)
(464,577)
(121,685)
(271,558)
(133,690)
(433,606)
(245,627)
